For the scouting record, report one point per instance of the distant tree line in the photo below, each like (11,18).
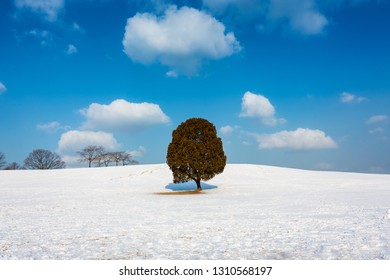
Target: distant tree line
(44,159)
(100,157)
(37,159)
(10,166)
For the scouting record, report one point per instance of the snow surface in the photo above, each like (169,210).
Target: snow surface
(248,212)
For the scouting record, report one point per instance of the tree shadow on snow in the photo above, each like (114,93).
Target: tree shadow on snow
(188,186)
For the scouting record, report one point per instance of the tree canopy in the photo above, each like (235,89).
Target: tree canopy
(195,153)
(43,159)
(98,155)
(90,154)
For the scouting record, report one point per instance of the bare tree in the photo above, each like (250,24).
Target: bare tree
(121,157)
(2,160)
(127,158)
(106,158)
(117,157)
(43,159)
(98,155)
(90,154)
(99,160)
(13,166)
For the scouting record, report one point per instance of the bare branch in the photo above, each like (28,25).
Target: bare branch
(2,160)
(43,159)
(90,154)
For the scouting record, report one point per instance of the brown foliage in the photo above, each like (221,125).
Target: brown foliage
(195,153)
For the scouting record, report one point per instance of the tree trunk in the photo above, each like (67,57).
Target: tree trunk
(199,187)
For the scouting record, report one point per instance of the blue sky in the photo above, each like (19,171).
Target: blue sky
(301,83)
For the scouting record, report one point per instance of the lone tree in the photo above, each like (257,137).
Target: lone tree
(195,153)
(43,159)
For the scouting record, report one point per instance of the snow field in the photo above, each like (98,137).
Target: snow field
(255,212)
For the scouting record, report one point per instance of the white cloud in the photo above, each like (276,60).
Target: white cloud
(138,152)
(2,88)
(258,106)
(181,39)
(71,49)
(302,15)
(122,115)
(49,8)
(299,139)
(172,74)
(377,119)
(242,8)
(39,33)
(377,130)
(70,159)
(77,27)
(51,127)
(346,97)
(227,129)
(75,140)
(45,37)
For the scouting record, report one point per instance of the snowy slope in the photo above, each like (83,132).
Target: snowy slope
(248,212)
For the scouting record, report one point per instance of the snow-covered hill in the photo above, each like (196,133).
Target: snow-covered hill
(248,212)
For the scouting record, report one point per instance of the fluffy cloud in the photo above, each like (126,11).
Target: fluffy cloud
(121,115)
(258,106)
(49,8)
(346,97)
(138,152)
(75,140)
(300,139)
(226,129)
(377,119)
(181,39)
(2,88)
